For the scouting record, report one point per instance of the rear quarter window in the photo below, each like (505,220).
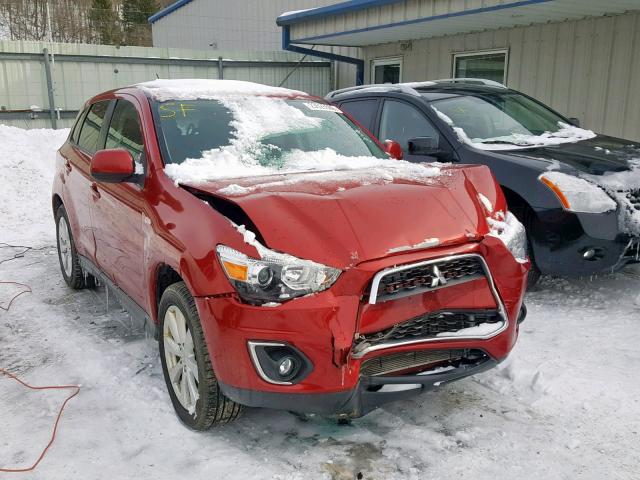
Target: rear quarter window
(90,138)
(364,111)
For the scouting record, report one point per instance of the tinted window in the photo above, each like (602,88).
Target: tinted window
(402,122)
(125,131)
(364,111)
(77,125)
(90,134)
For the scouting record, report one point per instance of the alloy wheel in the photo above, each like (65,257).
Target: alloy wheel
(64,246)
(180,358)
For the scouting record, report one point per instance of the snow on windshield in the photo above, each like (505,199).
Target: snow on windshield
(565,134)
(265,131)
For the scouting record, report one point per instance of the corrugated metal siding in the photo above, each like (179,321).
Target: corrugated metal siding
(589,69)
(23,82)
(244,25)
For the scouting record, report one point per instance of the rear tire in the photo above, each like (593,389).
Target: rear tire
(188,372)
(68,255)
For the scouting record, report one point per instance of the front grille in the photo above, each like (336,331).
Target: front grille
(431,276)
(399,362)
(633,196)
(429,325)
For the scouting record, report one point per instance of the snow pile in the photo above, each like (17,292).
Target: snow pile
(565,134)
(28,164)
(511,232)
(193,89)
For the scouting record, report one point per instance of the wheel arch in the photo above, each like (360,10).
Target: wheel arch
(56,202)
(165,276)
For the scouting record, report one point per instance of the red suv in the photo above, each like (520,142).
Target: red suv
(282,258)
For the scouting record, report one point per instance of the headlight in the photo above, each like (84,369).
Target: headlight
(576,194)
(512,233)
(275,277)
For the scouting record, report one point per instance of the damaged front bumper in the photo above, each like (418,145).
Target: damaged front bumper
(370,392)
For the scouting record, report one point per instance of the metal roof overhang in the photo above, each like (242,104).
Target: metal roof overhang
(512,14)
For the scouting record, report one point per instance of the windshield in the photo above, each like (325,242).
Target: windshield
(266,133)
(497,120)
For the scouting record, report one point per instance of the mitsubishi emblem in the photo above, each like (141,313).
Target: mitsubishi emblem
(438,278)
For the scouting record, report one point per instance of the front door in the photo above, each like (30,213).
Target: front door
(117,209)
(401,121)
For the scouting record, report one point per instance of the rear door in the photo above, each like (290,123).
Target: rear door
(117,209)
(76,154)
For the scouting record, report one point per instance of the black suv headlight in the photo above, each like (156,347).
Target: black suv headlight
(275,277)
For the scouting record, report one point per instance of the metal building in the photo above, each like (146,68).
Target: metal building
(236,25)
(582,57)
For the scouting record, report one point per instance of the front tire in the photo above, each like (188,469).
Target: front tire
(68,255)
(188,372)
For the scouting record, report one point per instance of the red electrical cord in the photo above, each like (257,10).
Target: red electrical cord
(76,389)
(28,290)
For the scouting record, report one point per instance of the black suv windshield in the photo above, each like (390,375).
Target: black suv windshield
(505,119)
(266,131)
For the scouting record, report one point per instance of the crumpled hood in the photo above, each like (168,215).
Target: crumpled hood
(595,156)
(344,222)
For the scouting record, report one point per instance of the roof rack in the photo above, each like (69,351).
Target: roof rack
(479,81)
(378,87)
(410,87)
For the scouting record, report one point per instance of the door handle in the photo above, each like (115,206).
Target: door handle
(95,191)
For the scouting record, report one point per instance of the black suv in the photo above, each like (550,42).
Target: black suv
(577,193)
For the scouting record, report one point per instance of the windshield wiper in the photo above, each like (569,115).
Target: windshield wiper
(506,142)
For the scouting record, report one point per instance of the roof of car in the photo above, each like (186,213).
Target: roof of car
(429,89)
(191,89)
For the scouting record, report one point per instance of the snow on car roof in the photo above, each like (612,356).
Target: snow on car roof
(192,89)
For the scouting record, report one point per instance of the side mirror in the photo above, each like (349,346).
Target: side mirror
(425,146)
(574,121)
(394,149)
(112,165)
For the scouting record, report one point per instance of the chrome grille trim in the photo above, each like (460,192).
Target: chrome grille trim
(439,281)
(365,350)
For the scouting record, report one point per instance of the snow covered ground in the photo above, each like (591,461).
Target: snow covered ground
(566,405)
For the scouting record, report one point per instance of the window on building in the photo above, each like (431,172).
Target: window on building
(89,139)
(489,65)
(402,122)
(386,70)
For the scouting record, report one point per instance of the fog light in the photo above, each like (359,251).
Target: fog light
(279,363)
(589,254)
(286,366)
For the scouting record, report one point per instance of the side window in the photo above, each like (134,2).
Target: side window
(125,131)
(77,125)
(364,111)
(89,138)
(402,122)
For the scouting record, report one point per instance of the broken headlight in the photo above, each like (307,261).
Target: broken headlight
(275,277)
